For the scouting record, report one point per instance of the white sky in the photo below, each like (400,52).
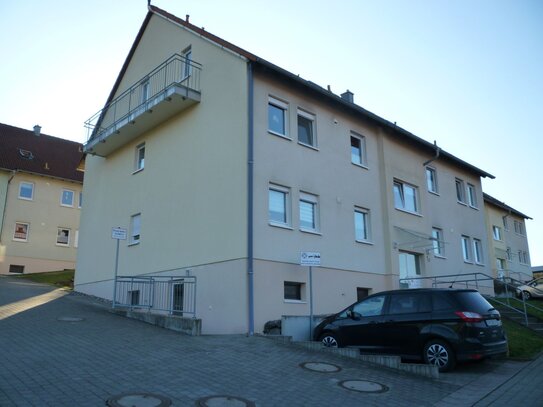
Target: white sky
(468,74)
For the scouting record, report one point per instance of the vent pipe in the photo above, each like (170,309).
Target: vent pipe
(348,96)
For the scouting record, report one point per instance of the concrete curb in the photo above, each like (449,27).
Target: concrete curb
(188,326)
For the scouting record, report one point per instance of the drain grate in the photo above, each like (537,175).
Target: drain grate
(70,319)
(320,367)
(138,400)
(224,401)
(363,386)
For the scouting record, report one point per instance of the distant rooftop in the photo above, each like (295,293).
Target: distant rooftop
(502,205)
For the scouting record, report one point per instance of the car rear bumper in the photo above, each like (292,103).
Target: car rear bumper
(482,350)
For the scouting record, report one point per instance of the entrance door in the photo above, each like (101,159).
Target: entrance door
(409,268)
(178,298)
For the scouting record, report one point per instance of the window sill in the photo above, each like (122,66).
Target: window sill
(360,166)
(138,171)
(474,207)
(133,244)
(294,302)
(308,146)
(462,203)
(311,232)
(283,136)
(468,262)
(66,206)
(62,245)
(280,226)
(409,212)
(25,199)
(434,193)
(20,240)
(437,256)
(480,264)
(364,242)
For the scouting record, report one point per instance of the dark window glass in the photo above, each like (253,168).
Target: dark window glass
(305,130)
(15,268)
(472,301)
(276,119)
(293,291)
(441,302)
(362,293)
(370,306)
(404,304)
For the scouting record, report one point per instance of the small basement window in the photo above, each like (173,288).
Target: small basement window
(293,290)
(16,268)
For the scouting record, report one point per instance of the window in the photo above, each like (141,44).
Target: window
(466,252)
(293,291)
(497,232)
(358,149)
(460,191)
(509,254)
(80,200)
(145,90)
(405,197)
(523,257)
(187,67)
(431,180)
(500,264)
(15,268)
(134,296)
(309,212)
(505,223)
(362,292)
(370,307)
(21,232)
(140,157)
(409,266)
(306,128)
(361,225)
(478,251)
(67,198)
(135,227)
(277,115)
(472,196)
(437,242)
(63,237)
(519,228)
(278,205)
(26,191)
(410,303)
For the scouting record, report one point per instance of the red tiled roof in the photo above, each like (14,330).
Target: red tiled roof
(21,149)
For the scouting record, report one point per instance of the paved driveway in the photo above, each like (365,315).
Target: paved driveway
(49,358)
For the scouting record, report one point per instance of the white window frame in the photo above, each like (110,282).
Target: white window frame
(135,229)
(431,183)
(283,106)
(17,239)
(70,205)
(287,203)
(187,67)
(314,201)
(62,229)
(145,90)
(437,242)
(139,163)
(312,118)
(460,188)
(478,251)
(400,205)
(466,248)
(31,185)
(366,223)
(497,233)
(362,160)
(471,195)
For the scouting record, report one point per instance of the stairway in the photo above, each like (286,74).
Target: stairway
(534,323)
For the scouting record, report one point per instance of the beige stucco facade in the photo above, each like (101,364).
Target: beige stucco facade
(192,196)
(38,249)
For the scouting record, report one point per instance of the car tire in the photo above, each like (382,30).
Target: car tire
(329,340)
(439,353)
(526,295)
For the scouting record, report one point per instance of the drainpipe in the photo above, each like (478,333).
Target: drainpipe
(438,150)
(6,203)
(250,166)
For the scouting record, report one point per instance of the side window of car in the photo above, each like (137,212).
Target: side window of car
(370,306)
(404,304)
(441,303)
(425,303)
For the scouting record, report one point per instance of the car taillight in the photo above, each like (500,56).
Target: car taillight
(469,316)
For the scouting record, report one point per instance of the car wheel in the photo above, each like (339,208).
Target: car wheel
(329,340)
(526,295)
(440,354)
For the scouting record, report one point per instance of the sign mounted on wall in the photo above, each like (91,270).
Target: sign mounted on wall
(118,233)
(310,259)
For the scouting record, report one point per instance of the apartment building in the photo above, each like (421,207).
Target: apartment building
(225,167)
(40,201)
(508,241)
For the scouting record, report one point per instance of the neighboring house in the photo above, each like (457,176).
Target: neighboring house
(508,242)
(226,167)
(40,201)
(537,272)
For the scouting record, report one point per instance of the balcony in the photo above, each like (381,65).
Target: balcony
(167,90)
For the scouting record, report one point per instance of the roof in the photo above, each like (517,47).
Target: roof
(493,201)
(22,150)
(305,84)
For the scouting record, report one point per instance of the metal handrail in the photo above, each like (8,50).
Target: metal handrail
(176,70)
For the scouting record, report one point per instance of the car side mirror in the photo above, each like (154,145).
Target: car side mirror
(356,316)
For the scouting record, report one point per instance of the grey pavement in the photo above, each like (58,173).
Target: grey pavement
(50,358)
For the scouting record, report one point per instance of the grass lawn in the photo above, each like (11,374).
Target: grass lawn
(63,278)
(514,302)
(523,342)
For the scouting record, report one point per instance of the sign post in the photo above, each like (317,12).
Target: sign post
(117,234)
(310,259)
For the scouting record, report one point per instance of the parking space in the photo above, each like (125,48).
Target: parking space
(68,350)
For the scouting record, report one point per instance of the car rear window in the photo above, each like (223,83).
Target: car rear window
(473,301)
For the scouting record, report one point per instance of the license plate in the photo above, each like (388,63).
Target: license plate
(493,322)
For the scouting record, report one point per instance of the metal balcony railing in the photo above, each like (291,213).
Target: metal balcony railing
(176,74)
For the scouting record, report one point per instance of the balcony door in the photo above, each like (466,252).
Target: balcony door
(409,264)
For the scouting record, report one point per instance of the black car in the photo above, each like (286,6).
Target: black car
(439,326)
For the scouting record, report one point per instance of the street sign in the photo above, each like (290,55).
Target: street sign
(118,233)
(310,259)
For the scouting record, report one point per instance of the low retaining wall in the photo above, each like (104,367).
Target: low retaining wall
(188,326)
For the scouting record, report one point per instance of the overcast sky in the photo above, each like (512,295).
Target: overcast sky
(466,73)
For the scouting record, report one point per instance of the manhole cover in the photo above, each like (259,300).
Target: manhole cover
(363,386)
(224,401)
(138,400)
(69,319)
(320,367)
